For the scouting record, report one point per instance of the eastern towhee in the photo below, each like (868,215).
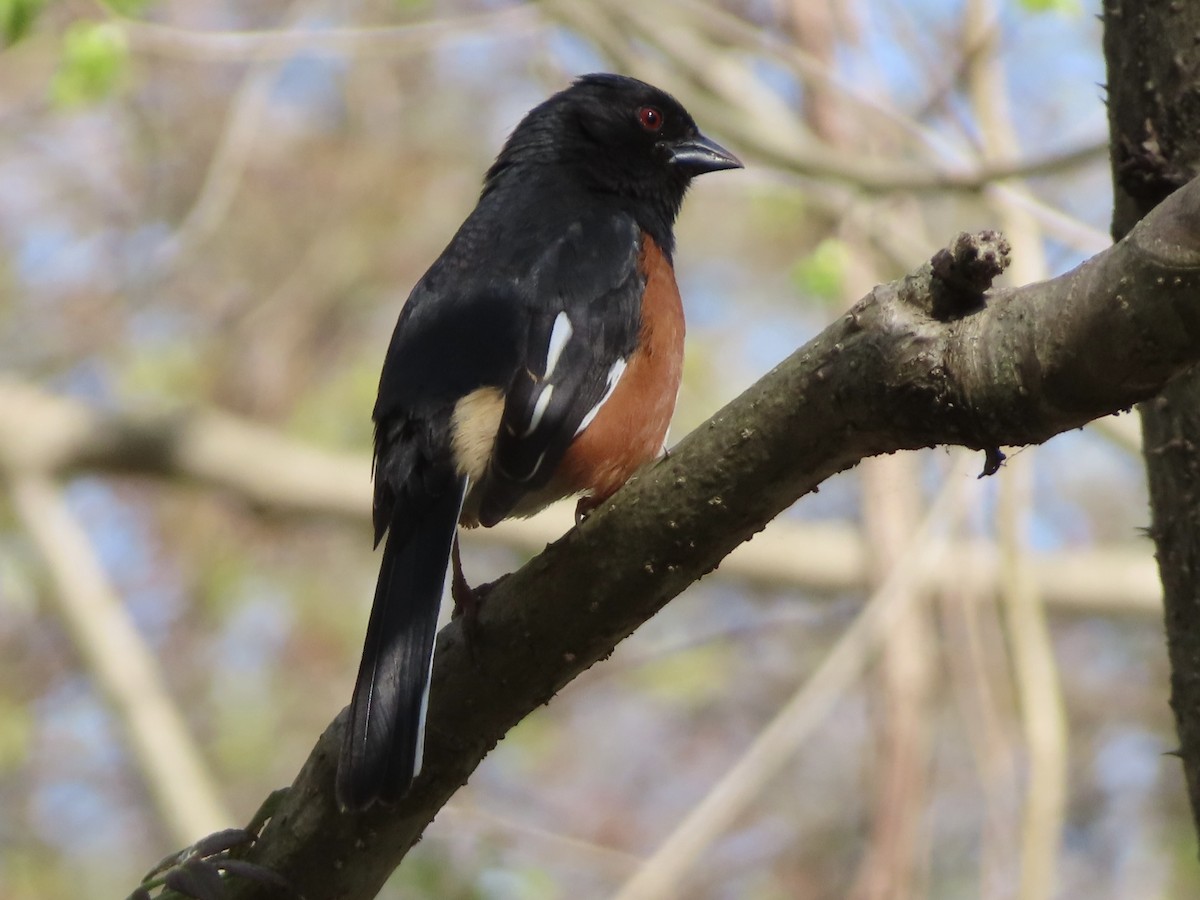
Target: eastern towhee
(538,358)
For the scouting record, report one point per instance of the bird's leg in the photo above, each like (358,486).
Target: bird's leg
(466,603)
(467,600)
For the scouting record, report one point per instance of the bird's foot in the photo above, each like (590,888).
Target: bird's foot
(584,507)
(201,870)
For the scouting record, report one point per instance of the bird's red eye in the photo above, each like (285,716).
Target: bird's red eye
(650,118)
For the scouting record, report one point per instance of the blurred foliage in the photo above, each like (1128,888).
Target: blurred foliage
(16,733)
(95,57)
(1057,6)
(689,678)
(822,274)
(17,18)
(128,7)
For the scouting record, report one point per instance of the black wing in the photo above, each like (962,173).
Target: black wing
(440,351)
(552,329)
(584,314)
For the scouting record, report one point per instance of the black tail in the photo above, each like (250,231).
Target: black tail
(385,736)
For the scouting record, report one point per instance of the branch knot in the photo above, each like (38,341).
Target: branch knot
(966,269)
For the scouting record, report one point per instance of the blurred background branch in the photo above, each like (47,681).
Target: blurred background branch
(267,471)
(1035,668)
(282,44)
(176,774)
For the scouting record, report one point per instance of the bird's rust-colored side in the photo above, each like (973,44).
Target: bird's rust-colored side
(630,428)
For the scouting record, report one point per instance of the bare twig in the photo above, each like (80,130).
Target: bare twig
(384,41)
(758,120)
(734,102)
(474,820)
(224,174)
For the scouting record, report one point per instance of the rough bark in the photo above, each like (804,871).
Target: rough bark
(1152,51)
(919,362)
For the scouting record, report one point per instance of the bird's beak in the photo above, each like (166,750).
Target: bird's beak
(697,155)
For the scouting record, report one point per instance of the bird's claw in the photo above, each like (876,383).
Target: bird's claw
(201,871)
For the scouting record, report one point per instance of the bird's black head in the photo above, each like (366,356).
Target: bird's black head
(621,137)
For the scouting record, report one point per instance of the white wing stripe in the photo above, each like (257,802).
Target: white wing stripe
(539,410)
(614,376)
(560,333)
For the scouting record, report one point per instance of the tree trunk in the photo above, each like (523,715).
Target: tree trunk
(1153,54)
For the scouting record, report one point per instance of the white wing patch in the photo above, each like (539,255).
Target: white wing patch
(560,333)
(539,410)
(614,376)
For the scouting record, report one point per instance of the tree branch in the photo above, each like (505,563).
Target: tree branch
(889,375)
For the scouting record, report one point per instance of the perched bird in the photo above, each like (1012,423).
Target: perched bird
(538,358)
